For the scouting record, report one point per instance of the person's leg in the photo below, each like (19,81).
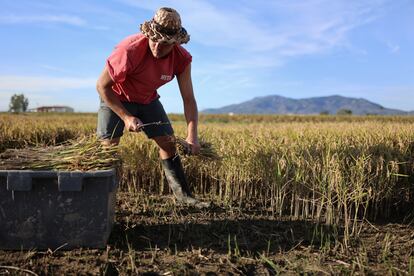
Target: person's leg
(173,168)
(170,160)
(166,145)
(110,127)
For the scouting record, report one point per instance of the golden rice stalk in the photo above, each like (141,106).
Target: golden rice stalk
(85,154)
(206,150)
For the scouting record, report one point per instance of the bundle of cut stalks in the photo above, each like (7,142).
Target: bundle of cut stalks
(206,150)
(85,154)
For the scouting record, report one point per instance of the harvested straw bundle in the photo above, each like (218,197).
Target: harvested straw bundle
(85,154)
(206,151)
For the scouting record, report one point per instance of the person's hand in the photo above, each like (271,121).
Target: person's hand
(194,145)
(133,124)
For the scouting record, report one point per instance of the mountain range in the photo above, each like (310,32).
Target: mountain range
(275,104)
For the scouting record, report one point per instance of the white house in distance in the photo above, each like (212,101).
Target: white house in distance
(52,108)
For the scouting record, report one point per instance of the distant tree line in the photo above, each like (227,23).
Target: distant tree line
(339,112)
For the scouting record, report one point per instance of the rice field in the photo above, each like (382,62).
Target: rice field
(292,194)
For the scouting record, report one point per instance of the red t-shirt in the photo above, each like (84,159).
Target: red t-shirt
(138,74)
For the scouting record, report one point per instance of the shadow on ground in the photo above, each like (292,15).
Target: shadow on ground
(224,236)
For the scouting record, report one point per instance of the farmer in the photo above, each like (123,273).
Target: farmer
(136,68)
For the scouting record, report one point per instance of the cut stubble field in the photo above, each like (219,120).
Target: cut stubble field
(291,194)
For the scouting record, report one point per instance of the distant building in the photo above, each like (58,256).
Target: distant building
(53,108)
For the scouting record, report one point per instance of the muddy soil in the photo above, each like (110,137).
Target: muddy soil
(153,236)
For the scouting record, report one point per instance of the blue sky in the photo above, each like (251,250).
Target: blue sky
(53,51)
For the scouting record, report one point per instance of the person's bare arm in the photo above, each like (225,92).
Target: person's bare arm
(104,87)
(190,108)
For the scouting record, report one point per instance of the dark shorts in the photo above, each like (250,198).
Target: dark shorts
(111,126)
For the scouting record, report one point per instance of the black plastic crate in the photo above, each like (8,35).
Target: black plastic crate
(52,209)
